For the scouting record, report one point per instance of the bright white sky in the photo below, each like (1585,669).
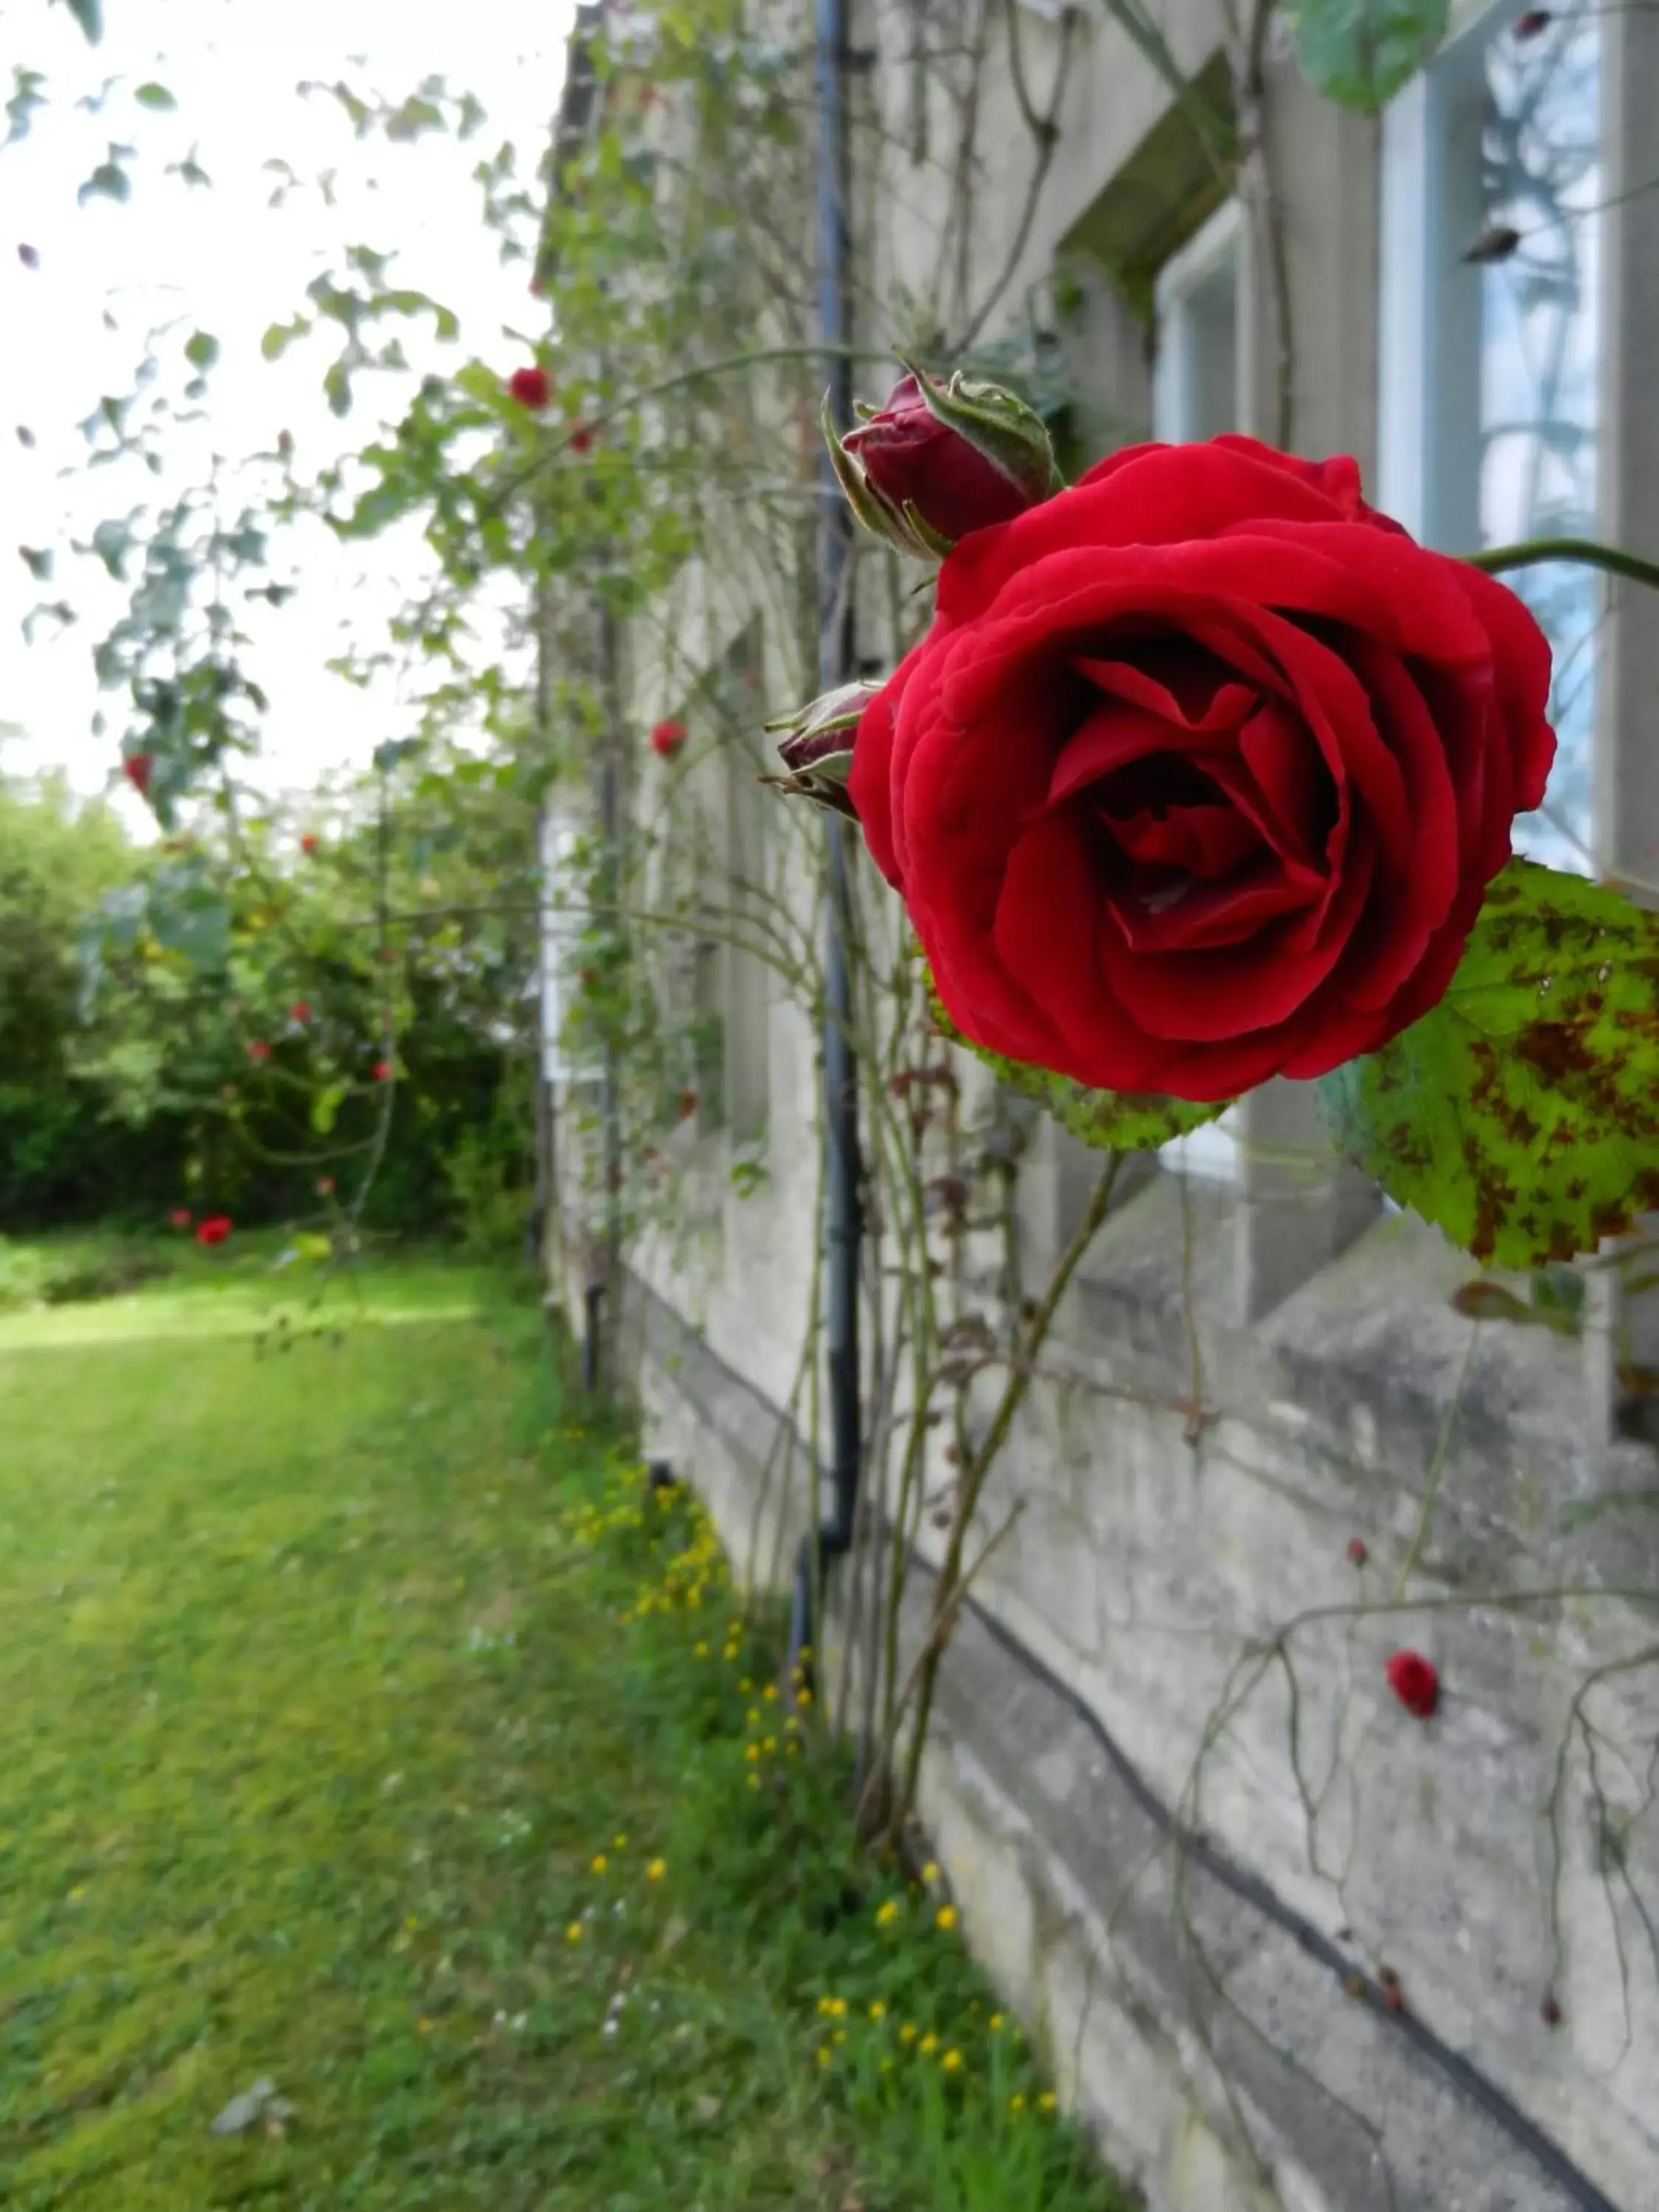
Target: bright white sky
(224,261)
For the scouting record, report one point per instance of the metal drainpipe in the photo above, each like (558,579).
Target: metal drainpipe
(842,1224)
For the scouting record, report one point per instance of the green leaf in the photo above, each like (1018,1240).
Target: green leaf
(1523,1115)
(1360,52)
(415,115)
(280,336)
(1110,1121)
(25,97)
(111,542)
(89,15)
(108,181)
(200,927)
(325,1106)
(201,350)
(156,96)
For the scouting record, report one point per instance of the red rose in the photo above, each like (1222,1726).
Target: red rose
(299,1010)
(136,768)
(909,455)
(581,437)
(530,388)
(258,1052)
(179,1217)
(213,1229)
(666,738)
(381,1070)
(309,842)
(1415,1681)
(1358,1554)
(1202,771)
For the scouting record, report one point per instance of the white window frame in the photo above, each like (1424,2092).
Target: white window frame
(1216,240)
(1211,1150)
(1420,228)
(560,925)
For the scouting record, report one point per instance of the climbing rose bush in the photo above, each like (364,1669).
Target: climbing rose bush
(1202,771)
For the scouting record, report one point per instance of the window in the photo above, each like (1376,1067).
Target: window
(1195,302)
(1490,341)
(564,919)
(1194,395)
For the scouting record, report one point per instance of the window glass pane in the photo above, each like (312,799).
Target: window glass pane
(1210,312)
(1540,176)
(1195,398)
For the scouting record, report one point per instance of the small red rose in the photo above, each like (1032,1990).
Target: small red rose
(309,842)
(381,1070)
(179,1217)
(963,455)
(666,738)
(530,388)
(258,1053)
(1415,1681)
(685,1105)
(581,437)
(1202,771)
(299,1010)
(137,768)
(324,1186)
(213,1229)
(1358,1554)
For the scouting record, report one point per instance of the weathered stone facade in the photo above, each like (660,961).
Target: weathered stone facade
(1258,1368)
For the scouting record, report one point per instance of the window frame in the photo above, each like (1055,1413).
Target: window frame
(1421,326)
(1211,1150)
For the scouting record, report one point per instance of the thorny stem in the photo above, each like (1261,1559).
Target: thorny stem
(1013,1395)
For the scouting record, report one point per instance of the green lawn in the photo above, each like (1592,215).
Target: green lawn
(362,1729)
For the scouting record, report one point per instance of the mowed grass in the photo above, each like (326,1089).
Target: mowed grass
(364,1729)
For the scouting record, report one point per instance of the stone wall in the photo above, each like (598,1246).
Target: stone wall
(1154,1580)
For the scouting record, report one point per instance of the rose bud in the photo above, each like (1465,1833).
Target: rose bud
(666,738)
(581,437)
(179,1217)
(136,768)
(938,460)
(1358,1554)
(299,1010)
(258,1052)
(817,748)
(530,388)
(213,1229)
(309,842)
(1415,1681)
(381,1070)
